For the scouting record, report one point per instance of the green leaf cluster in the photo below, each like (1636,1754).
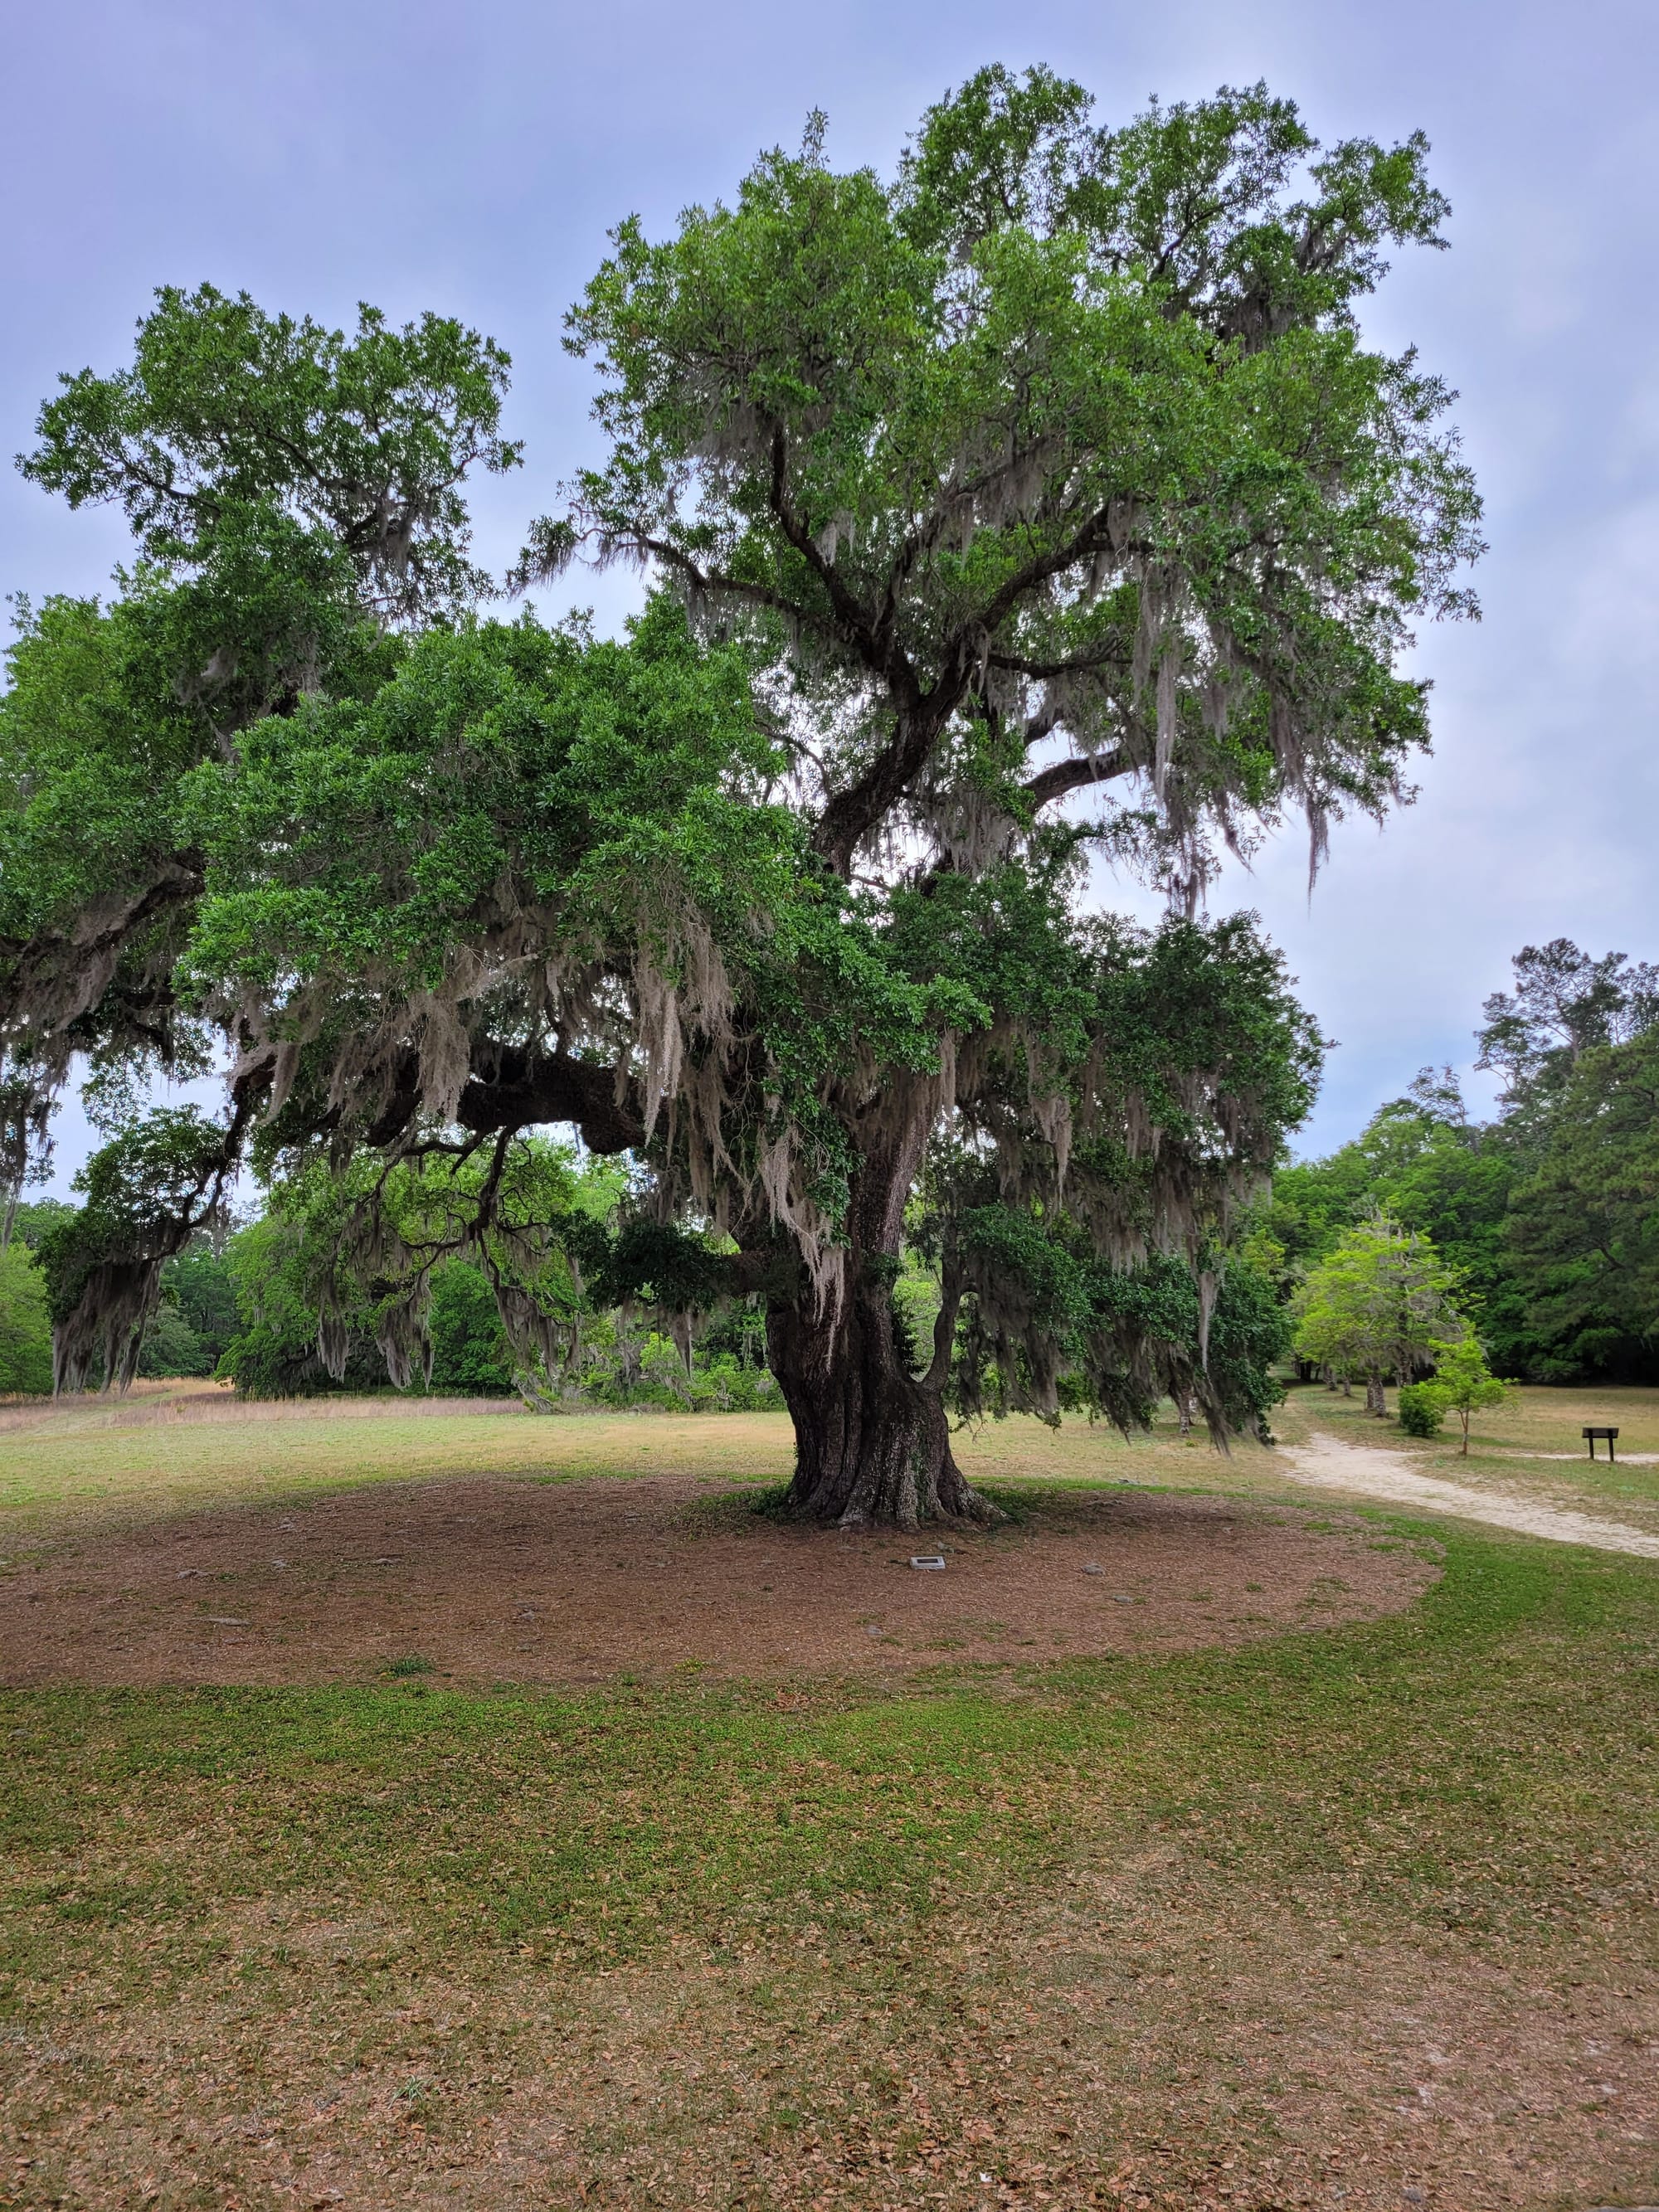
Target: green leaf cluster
(25,1324)
(1038,504)
(1380,1305)
(1059,416)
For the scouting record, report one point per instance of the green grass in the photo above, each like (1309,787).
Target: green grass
(216,1895)
(1398,1761)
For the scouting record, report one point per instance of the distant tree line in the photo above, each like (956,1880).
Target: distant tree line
(1534,1236)
(1546,1217)
(259,1306)
(289,1305)
(194,1327)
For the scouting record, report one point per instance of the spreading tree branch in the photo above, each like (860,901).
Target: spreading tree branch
(1051,783)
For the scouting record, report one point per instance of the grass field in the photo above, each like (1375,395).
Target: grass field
(1357,1917)
(173,1449)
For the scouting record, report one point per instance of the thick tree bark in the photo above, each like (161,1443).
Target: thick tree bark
(872,1443)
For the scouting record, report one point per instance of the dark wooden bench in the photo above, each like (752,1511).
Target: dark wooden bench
(1592,1434)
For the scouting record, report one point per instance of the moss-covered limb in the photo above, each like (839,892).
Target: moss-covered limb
(1051,468)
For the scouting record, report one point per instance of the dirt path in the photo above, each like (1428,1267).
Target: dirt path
(1369,1471)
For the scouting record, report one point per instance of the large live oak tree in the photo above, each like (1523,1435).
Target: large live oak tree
(1037,507)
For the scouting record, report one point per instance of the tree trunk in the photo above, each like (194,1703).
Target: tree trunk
(1377,1397)
(872,1443)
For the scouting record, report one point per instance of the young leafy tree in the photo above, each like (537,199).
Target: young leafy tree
(1464,1384)
(1380,1305)
(1040,503)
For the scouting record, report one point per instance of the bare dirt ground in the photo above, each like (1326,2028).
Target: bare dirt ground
(1372,1472)
(513,1580)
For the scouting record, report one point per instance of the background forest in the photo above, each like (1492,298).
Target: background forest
(1547,1215)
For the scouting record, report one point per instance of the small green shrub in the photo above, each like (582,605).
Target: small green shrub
(1422,1409)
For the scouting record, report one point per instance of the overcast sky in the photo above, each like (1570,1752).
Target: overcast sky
(471,158)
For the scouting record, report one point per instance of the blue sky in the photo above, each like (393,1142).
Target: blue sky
(470,158)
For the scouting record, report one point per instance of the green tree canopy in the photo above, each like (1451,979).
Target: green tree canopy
(1565,1003)
(1546,1213)
(1585,1228)
(1379,1305)
(25,1323)
(1422,1160)
(1040,503)
(1464,1384)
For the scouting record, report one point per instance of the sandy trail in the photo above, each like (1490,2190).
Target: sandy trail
(1326,1463)
(1625,1459)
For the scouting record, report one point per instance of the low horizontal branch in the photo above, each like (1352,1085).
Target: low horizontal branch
(1074,776)
(519,1088)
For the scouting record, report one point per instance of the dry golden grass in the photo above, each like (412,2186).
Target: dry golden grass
(169,1450)
(94,1463)
(172,1447)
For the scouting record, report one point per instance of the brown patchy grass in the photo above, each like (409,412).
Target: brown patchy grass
(1357,1916)
(1141,2044)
